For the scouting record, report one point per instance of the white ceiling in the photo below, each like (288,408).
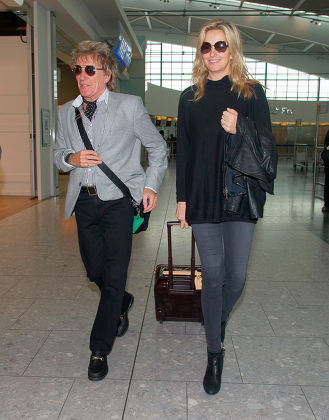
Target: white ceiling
(285,36)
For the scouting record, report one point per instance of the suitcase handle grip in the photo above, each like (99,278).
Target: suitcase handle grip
(170,261)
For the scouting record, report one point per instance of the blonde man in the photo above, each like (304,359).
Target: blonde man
(116,125)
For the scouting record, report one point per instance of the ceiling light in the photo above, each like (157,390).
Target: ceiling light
(214,5)
(316,22)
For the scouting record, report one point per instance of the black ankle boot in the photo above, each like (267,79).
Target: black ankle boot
(213,377)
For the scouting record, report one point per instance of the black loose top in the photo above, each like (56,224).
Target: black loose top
(200,148)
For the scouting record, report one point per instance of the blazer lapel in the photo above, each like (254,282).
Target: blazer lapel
(75,130)
(110,118)
(112,115)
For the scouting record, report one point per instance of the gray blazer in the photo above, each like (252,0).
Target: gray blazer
(127,126)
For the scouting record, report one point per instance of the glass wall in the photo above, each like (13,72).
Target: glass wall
(170,66)
(285,83)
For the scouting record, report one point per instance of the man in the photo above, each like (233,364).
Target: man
(116,125)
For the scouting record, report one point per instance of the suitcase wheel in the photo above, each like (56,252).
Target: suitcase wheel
(160,315)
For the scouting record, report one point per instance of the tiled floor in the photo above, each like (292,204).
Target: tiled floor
(277,357)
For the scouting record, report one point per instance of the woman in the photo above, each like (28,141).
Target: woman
(226,162)
(325,158)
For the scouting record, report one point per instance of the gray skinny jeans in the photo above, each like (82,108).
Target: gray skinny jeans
(224,250)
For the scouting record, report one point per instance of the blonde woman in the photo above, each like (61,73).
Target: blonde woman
(226,162)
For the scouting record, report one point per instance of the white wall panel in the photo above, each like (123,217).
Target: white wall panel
(12,104)
(15,165)
(44,48)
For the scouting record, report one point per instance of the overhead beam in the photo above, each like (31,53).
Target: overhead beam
(291,42)
(281,23)
(269,39)
(249,36)
(189,20)
(136,19)
(297,6)
(148,20)
(167,24)
(308,47)
(291,26)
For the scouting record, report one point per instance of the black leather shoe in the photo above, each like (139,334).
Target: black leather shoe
(98,368)
(213,377)
(123,325)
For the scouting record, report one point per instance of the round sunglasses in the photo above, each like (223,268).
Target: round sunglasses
(90,70)
(220,46)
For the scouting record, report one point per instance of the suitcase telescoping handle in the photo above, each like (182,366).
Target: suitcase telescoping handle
(170,262)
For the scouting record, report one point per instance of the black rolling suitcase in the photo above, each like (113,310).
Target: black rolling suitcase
(177,289)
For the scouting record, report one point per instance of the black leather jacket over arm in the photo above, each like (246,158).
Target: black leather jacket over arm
(253,154)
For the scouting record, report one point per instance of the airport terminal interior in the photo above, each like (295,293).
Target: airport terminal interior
(277,338)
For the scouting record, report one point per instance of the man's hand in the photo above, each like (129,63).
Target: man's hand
(85,159)
(150,199)
(180,214)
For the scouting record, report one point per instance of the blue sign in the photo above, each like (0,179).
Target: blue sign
(123,52)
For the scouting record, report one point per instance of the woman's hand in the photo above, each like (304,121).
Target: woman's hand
(180,214)
(229,119)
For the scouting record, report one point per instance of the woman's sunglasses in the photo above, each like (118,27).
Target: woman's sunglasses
(220,46)
(90,70)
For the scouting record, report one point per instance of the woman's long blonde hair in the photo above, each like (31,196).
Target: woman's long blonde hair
(239,76)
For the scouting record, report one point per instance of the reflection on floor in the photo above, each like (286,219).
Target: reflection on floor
(10,204)
(277,357)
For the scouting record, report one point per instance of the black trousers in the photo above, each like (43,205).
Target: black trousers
(105,238)
(326,184)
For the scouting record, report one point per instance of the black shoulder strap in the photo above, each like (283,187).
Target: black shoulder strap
(107,171)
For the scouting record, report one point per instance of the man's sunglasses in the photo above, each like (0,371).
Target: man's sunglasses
(90,70)
(220,46)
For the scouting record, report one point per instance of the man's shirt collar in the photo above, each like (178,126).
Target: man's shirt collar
(104,97)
